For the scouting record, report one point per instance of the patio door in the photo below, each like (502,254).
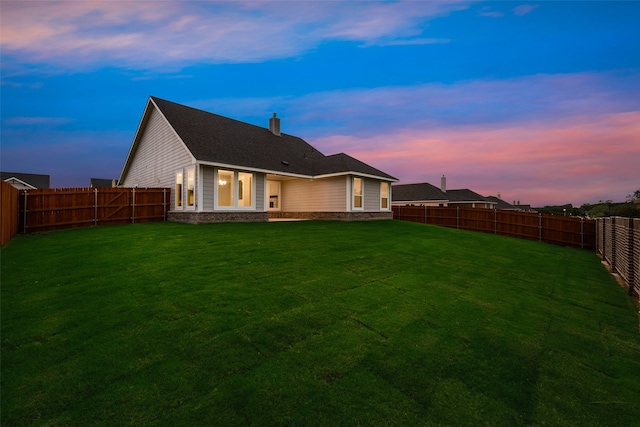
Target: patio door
(274,201)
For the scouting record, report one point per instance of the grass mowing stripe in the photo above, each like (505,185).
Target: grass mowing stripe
(311,323)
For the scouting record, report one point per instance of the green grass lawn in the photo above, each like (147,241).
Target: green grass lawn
(312,323)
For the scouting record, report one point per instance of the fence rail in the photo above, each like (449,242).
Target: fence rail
(558,230)
(619,246)
(55,209)
(8,212)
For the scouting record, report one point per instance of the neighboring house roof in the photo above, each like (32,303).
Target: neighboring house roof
(465,195)
(29,179)
(424,192)
(417,192)
(227,142)
(501,204)
(102,183)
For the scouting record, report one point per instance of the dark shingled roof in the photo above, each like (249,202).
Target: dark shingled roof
(501,204)
(34,179)
(417,192)
(101,183)
(465,195)
(213,138)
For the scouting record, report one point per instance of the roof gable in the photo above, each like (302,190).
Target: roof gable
(29,179)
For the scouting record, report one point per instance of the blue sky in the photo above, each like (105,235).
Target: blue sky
(537,101)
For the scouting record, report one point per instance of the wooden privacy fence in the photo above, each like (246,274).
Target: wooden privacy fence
(59,208)
(8,212)
(618,243)
(558,230)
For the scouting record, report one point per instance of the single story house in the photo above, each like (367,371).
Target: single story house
(422,194)
(26,181)
(425,194)
(221,169)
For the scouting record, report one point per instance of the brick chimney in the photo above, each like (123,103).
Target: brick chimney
(274,125)
(443,184)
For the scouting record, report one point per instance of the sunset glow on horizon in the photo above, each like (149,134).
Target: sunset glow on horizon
(539,102)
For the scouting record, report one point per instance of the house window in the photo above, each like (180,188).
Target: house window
(191,187)
(235,189)
(225,188)
(357,193)
(384,195)
(245,196)
(179,189)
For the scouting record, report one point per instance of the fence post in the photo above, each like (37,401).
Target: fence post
(604,237)
(495,221)
(24,214)
(457,216)
(581,233)
(425,214)
(539,227)
(613,243)
(164,204)
(95,206)
(631,266)
(133,205)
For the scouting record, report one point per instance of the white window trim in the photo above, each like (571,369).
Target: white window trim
(353,194)
(388,208)
(200,187)
(235,206)
(185,200)
(236,178)
(175,183)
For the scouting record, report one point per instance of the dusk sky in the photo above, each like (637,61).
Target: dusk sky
(537,101)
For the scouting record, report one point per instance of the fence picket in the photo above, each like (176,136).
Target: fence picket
(54,209)
(9,212)
(619,247)
(566,231)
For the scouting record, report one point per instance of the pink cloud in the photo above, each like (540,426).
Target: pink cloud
(544,138)
(146,33)
(575,160)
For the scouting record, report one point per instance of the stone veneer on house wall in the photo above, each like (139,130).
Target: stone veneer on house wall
(332,216)
(208,217)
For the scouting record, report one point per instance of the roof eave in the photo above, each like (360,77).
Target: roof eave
(253,169)
(26,184)
(364,175)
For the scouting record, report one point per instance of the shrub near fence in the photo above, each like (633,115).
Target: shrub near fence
(619,246)
(59,208)
(8,212)
(559,230)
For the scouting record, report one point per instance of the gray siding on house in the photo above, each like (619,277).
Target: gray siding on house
(371,195)
(260,181)
(320,195)
(158,156)
(208,184)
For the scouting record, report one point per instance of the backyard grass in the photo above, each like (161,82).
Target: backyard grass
(312,323)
